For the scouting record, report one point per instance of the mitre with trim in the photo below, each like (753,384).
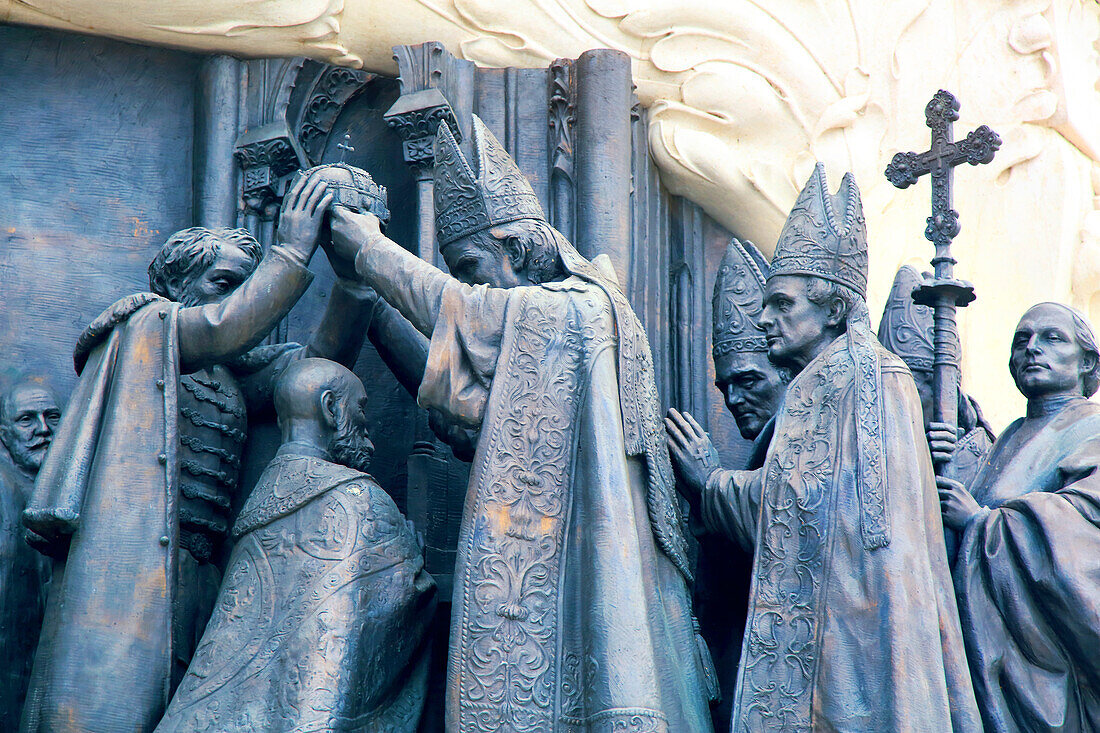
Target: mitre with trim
(738,301)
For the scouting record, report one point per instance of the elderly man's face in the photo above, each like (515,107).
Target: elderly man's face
(225,274)
(751,387)
(793,325)
(29,422)
(1046,358)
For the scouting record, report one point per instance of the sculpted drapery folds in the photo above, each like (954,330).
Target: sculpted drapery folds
(320,622)
(1026,576)
(29,414)
(571,610)
(135,497)
(852,623)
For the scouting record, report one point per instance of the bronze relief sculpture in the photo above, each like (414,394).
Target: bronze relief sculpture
(852,621)
(135,499)
(320,622)
(1026,575)
(907,330)
(29,415)
(571,610)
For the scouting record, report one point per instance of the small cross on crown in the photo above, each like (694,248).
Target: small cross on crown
(345,147)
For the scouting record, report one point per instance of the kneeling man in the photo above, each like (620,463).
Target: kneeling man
(320,622)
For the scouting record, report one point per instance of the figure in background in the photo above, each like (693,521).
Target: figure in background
(29,415)
(852,621)
(1027,575)
(136,494)
(752,388)
(571,608)
(906,329)
(320,622)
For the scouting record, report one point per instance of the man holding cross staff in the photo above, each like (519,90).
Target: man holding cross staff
(1026,578)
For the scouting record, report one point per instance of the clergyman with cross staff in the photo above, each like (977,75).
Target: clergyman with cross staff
(1026,577)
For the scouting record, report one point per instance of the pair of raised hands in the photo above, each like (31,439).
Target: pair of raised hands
(303,216)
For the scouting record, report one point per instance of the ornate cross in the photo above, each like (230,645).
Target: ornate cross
(345,147)
(943,292)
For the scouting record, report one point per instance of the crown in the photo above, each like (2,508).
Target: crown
(467,201)
(738,300)
(362,195)
(816,241)
(906,328)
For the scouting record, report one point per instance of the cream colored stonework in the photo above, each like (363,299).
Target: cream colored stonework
(744,96)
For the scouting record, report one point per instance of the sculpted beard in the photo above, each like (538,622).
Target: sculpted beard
(350,446)
(29,454)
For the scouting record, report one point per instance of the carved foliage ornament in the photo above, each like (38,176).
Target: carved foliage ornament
(739,300)
(467,201)
(816,241)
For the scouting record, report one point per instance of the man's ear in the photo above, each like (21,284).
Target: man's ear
(515,249)
(328,409)
(837,312)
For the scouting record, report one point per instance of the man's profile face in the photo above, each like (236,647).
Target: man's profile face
(1046,358)
(351,444)
(751,387)
(230,268)
(473,263)
(28,426)
(792,324)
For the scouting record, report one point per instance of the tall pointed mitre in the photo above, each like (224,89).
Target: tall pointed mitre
(738,300)
(469,200)
(825,235)
(906,328)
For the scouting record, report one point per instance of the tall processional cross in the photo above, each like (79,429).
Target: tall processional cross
(943,292)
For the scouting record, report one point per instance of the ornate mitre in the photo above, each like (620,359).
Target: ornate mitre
(362,195)
(738,300)
(825,235)
(466,200)
(906,328)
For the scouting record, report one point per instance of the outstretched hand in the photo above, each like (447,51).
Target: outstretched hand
(302,215)
(693,454)
(956,503)
(350,232)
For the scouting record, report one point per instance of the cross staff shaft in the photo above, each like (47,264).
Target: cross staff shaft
(943,292)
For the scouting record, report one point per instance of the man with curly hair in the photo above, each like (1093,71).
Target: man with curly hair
(135,495)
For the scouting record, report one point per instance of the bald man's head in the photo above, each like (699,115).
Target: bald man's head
(323,403)
(29,415)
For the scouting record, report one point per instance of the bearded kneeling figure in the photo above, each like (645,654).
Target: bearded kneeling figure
(321,618)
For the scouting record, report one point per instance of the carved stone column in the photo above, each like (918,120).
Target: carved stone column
(562,118)
(416,117)
(217,106)
(603,162)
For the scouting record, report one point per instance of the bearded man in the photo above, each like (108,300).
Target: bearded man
(852,623)
(571,608)
(136,493)
(320,622)
(1026,575)
(29,415)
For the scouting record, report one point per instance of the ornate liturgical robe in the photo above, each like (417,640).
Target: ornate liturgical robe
(845,632)
(568,616)
(320,621)
(1028,576)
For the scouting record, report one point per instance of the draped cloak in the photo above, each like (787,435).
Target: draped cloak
(569,616)
(1028,577)
(842,636)
(108,489)
(320,622)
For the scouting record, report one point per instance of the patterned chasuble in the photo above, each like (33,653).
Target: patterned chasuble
(780,652)
(515,666)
